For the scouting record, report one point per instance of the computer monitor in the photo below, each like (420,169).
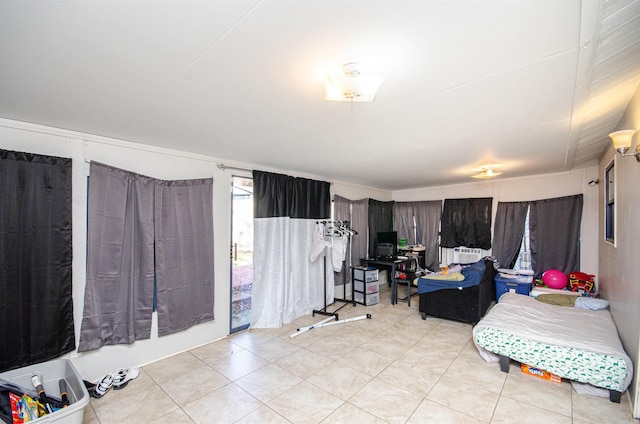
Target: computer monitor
(387,244)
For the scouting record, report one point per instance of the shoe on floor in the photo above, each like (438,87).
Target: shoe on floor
(124,376)
(102,386)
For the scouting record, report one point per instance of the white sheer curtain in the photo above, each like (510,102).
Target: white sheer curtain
(286,282)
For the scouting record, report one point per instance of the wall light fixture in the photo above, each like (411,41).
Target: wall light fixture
(622,143)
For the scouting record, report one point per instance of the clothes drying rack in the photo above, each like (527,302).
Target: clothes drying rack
(336,229)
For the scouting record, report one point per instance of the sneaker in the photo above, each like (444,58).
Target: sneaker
(102,386)
(124,376)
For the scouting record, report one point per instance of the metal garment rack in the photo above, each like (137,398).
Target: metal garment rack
(335,229)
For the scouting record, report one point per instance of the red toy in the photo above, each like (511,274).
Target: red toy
(582,283)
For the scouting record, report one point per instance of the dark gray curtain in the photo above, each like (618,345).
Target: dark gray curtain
(403,221)
(467,222)
(140,228)
(359,222)
(36,307)
(554,228)
(508,232)
(118,299)
(380,220)
(184,253)
(342,212)
(428,215)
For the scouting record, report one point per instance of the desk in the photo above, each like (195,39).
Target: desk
(393,267)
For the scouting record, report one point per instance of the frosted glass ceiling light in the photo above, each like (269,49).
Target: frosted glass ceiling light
(487,172)
(622,142)
(351,85)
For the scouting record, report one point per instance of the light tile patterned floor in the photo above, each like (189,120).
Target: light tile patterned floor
(392,368)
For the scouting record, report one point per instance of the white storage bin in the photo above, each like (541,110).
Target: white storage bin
(361,286)
(366,275)
(50,373)
(367,299)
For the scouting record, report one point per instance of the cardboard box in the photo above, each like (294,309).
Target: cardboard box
(526,369)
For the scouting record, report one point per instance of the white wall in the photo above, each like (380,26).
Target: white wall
(531,188)
(357,192)
(158,163)
(619,270)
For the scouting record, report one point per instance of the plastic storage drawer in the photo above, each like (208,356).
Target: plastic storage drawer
(366,275)
(370,287)
(367,299)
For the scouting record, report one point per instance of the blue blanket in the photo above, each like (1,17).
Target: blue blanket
(472,277)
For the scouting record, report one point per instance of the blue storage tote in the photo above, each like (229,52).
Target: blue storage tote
(513,285)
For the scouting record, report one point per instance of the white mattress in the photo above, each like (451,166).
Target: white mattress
(554,338)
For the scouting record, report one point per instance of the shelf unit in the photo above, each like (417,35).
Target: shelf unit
(405,273)
(365,286)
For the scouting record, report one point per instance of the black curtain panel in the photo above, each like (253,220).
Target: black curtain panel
(380,220)
(508,232)
(467,222)
(554,230)
(270,194)
(36,305)
(278,195)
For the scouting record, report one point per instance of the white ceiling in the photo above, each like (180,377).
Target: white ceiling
(533,85)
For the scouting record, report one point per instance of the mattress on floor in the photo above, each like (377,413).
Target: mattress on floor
(574,343)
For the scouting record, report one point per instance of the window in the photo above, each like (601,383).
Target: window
(524,257)
(609,203)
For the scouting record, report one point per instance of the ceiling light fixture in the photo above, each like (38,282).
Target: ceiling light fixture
(487,172)
(351,85)
(622,142)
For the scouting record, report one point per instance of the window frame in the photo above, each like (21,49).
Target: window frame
(609,209)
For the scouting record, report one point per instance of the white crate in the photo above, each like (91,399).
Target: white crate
(366,299)
(361,286)
(50,373)
(366,275)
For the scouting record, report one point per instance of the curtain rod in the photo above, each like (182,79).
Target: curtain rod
(224,167)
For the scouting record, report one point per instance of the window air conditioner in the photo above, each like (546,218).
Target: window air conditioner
(465,255)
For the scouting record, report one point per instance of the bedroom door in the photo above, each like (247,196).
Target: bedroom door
(241,252)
